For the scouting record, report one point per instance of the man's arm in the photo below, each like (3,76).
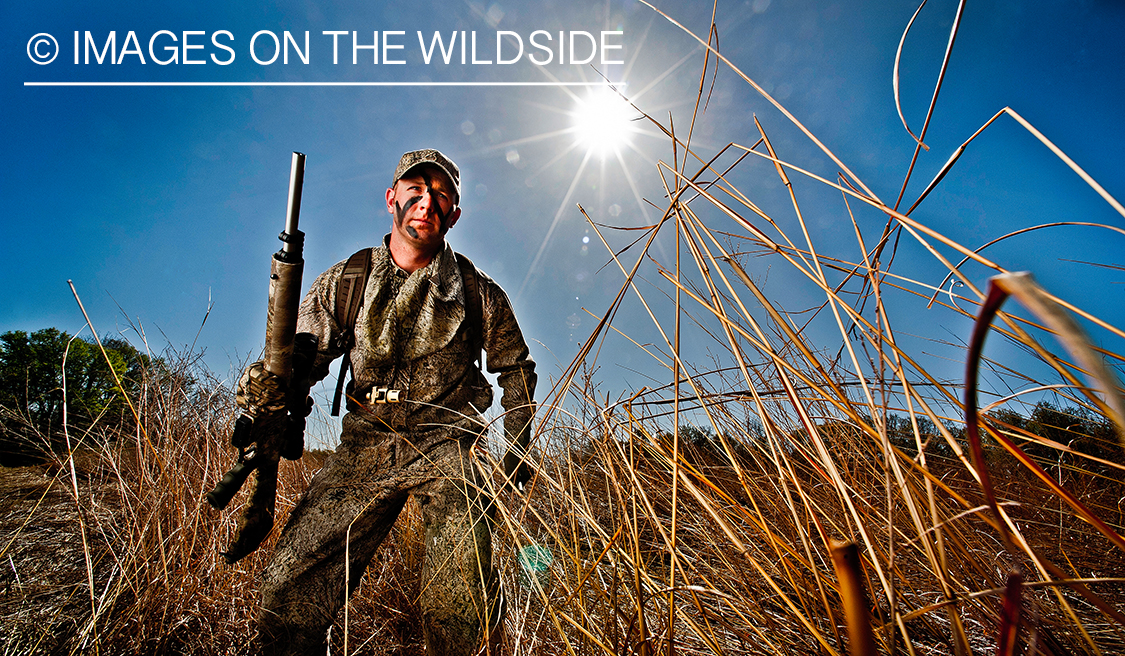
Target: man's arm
(507,355)
(317,315)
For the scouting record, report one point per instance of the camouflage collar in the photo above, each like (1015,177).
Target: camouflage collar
(423,317)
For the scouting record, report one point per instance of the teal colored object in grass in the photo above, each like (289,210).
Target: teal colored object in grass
(535,561)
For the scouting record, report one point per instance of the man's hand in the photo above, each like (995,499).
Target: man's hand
(260,391)
(516,470)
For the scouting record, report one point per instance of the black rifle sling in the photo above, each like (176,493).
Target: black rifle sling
(349,299)
(474,315)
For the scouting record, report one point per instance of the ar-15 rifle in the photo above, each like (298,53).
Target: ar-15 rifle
(263,435)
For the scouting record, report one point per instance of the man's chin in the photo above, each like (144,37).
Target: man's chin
(424,235)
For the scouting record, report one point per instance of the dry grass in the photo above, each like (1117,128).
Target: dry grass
(698,517)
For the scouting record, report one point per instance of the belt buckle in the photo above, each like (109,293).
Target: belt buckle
(380,395)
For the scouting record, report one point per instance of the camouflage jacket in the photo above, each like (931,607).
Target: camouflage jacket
(410,336)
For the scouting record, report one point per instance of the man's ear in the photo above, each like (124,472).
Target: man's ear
(391,200)
(456,215)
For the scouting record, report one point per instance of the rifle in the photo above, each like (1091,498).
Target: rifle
(264,435)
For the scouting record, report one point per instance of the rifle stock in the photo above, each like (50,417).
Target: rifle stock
(264,437)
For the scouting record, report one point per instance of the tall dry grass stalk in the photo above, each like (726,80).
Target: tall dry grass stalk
(699,516)
(721,541)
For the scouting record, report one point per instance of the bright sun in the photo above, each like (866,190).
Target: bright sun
(603,121)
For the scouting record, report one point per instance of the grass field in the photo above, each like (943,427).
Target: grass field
(784,497)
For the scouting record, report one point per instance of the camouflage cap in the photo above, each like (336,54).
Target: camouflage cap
(417,158)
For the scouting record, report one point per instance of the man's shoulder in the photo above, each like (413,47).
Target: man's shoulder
(493,296)
(327,282)
(464,261)
(376,253)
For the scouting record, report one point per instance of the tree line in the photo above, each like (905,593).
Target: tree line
(1071,426)
(49,376)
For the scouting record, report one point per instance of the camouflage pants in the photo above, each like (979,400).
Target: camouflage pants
(346,513)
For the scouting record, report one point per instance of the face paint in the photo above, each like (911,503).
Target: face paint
(400,215)
(443,217)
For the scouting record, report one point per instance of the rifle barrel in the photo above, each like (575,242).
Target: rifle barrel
(293,208)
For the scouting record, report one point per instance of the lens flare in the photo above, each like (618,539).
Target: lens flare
(603,121)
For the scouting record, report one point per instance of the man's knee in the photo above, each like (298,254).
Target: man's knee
(290,623)
(273,633)
(454,634)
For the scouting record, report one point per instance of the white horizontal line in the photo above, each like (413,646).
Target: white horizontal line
(318,84)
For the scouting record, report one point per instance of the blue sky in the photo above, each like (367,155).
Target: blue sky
(157,201)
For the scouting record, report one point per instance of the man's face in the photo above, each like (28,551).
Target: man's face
(423,206)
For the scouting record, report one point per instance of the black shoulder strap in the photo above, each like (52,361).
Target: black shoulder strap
(349,299)
(474,315)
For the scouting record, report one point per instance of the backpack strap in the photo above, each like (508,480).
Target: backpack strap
(349,298)
(474,314)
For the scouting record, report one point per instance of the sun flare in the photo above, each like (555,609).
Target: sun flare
(603,121)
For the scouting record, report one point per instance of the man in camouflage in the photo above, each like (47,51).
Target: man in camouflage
(412,336)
